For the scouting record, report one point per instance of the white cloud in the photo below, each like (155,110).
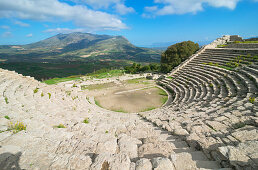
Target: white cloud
(101,3)
(29,35)
(4,27)
(7,34)
(151,8)
(65,30)
(122,9)
(53,10)
(118,5)
(22,24)
(169,7)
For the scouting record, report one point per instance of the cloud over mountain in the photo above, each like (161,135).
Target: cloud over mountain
(54,10)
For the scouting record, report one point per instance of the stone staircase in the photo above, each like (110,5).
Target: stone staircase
(212,109)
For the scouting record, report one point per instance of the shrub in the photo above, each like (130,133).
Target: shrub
(86,120)
(49,95)
(42,94)
(36,90)
(74,85)
(17,127)
(251,100)
(106,131)
(75,97)
(6,100)
(60,126)
(68,93)
(7,117)
(177,53)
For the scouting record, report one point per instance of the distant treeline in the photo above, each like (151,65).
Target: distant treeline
(172,57)
(138,68)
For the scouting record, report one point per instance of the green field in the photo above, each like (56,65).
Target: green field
(59,80)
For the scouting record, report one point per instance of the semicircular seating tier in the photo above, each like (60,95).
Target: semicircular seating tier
(210,121)
(214,105)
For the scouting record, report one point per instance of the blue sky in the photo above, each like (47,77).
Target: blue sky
(142,22)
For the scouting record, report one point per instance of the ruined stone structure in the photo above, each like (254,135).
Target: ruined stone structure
(209,123)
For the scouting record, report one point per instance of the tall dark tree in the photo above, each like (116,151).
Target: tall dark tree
(177,53)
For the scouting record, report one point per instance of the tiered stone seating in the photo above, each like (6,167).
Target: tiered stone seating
(221,117)
(109,139)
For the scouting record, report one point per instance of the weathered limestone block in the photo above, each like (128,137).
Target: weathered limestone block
(180,132)
(162,164)
(151,150)
(143,164)
(242,156)
(183,161)
(128,145)
(246,133)
(216,125)
(108,146)
(80,162)
(111,161)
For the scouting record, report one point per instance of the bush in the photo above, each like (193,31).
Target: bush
(18,126)
(177,53)
(49,95)
(36,90)
(60,126)
(7,117)
(86,120)
(138,68)
(6,100)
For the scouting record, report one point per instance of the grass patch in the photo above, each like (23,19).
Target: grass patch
(6,100)
(97,86)
(68,93)
(97,103)
(119,110)
(60,126)
(49,95)
(148,109)
(59,80)
(245,42)
(86,120)
(138,81)
(16,127)
(221,46)
(7,117)
(104,73)
(164,99)
(36,90)
(227,68)
(169,77)
(164,96)
(252,100)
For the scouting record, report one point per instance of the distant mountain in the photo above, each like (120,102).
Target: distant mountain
(72,54)
(62,40)
(79,46)
(252,39)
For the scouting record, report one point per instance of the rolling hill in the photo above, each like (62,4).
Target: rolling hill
(78,46)
(74,53)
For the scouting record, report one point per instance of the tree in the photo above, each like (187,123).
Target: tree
(177,53)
